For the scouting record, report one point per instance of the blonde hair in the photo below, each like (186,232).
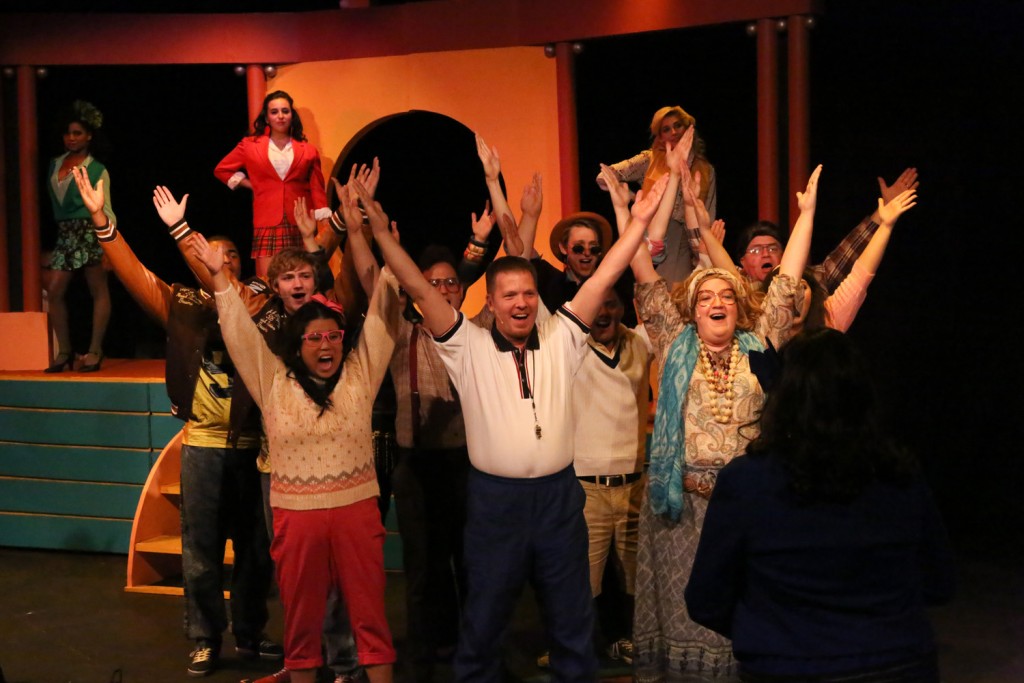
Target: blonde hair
(660,115)
(684,296)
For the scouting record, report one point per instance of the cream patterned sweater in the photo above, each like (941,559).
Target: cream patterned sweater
(320,461)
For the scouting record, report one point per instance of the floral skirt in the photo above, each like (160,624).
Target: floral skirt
(76,245)
(669,646)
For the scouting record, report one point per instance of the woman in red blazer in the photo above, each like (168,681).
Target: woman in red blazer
(279,166)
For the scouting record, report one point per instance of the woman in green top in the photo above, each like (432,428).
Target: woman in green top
(76,247)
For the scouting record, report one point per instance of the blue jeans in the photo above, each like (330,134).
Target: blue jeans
(220,499)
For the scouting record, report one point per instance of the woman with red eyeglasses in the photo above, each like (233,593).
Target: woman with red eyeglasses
(316,400)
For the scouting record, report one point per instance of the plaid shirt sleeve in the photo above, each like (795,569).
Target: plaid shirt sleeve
(837,265)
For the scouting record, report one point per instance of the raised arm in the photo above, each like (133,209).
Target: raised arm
(659,224)
(836,266)
(592,292)
(492,170)
(363,262)
(794,258)
(888,213)
(620,195)
(149,291)
(531,204)
(249,352)
(438,315)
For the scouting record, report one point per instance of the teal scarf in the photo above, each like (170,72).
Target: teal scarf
(668,443)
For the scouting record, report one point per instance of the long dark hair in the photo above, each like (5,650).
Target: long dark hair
(821,421)
(259,124)
(319,391)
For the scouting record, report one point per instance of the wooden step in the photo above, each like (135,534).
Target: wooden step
(171,545)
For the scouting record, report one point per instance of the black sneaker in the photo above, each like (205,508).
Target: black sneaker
(261,647)
(203,659)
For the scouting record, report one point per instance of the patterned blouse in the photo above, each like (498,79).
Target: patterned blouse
(710,443)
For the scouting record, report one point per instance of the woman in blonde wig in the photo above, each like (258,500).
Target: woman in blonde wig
(669,126)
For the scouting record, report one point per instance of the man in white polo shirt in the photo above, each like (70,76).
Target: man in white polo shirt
(525,506)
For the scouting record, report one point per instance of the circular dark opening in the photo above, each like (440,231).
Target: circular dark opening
(431,178)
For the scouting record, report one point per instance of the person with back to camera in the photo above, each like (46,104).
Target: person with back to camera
(279,165)
(822,547)
(76,246)
(669,125)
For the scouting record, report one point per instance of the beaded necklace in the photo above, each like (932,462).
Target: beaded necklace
(720,373)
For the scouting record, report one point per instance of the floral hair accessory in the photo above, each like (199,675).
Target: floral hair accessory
(87,113)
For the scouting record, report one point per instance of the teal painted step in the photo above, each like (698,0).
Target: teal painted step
(158,400)
(65,533)
(69,498)
(121,465)
(135,397)
(80,428)
(162,429)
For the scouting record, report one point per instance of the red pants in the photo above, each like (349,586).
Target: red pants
(314,549)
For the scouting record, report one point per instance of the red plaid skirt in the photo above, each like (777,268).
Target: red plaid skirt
(269,241)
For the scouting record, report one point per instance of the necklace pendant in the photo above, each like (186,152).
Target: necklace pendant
(536,430)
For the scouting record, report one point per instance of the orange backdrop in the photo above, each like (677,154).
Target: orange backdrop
(507,95)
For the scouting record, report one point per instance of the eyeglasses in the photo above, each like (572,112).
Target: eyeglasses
(592,250)
(766,248)
(316,338)
(705,298)
(447,282)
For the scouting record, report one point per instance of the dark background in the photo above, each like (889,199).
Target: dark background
(931,85)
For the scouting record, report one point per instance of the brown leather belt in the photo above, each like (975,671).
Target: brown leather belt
(612,479)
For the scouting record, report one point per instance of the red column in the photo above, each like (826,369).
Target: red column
(256,89)
(767,121)
(5,273)
(28,172)
(799,109)
(568,139)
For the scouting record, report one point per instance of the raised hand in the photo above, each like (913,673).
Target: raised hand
(489,158)
(378,219)
(170,210)
(673,156)
(703,217)
(808,199)
(370,177)
(647,204)
(890,211)
(510,235)
(482,226)
(304,219)
(906,181)
(92,197)
(619,191)
(685,144)
(211,256)
(717,229)
(532,200)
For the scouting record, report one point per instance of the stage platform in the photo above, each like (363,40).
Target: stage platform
(75,451)
(91,462)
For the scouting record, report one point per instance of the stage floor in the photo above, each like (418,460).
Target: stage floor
(65,617)
(112,370)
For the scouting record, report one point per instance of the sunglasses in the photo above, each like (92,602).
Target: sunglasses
(315,338)
(447,282)
(593,250)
